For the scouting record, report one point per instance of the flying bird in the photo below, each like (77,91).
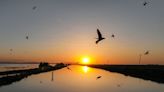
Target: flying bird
(147,52)
(27,37)
(34,7)
(11,49)
(99,36)
(112,35)
(98,77)
(145,3)
(118,85)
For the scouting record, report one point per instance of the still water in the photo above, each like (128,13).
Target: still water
(82,79)
(8,67)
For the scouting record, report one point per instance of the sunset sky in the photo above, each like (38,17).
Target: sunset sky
(65,31)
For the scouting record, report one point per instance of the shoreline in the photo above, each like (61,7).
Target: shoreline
(9,77)
(153,73)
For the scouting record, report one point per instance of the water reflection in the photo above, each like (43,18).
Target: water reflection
(82,79)
(85,69)
(8,67)
(9,77)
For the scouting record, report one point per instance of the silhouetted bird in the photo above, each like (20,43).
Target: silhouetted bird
(118,85)
(147,52)
(27,37)
(113,35)
(99,36)
(98,77)
(34,7)
(11,49)
(145,3)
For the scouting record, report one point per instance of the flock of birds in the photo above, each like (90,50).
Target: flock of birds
(100,38)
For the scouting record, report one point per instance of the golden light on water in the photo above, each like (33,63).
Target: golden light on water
(85,69)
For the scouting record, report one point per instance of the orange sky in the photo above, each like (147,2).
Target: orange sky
(60,33)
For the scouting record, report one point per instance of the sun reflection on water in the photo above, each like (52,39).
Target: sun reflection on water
(85,69)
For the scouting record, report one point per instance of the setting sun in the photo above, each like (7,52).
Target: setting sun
(85,60)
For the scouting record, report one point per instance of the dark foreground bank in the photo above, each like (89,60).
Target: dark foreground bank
(8,77)
(147,72)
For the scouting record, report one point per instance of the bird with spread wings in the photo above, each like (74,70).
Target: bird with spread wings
(99,36)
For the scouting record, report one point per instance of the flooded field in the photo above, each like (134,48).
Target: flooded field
(82,79)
